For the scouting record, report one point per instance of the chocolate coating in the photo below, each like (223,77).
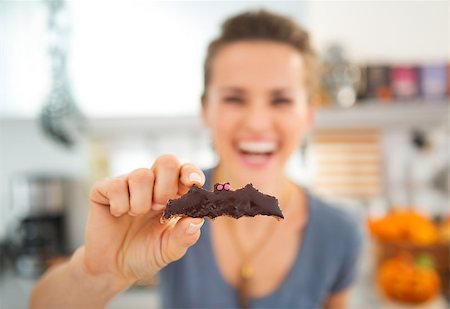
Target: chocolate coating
(199,203)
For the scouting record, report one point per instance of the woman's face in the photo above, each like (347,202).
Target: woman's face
(256,106)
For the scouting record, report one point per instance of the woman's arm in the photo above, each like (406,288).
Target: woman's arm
(124,239)
(70,286)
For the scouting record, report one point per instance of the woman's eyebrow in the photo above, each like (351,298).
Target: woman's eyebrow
(231,90)
(282,91)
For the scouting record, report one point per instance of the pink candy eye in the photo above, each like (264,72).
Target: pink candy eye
(225,186)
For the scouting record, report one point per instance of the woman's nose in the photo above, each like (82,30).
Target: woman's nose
(257,118)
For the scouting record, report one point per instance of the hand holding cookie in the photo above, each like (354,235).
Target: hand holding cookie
(124,236)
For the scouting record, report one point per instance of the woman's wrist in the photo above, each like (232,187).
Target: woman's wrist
(104,286)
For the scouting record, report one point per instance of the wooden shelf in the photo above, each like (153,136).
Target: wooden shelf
(364,115)
(372,114)
(384,115)
(144,126)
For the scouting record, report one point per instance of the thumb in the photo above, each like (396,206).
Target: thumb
(183,235)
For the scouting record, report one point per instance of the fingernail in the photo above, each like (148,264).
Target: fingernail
(193,228)
(195,177)
(158,206)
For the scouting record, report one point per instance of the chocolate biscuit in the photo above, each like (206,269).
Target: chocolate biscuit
(199,203)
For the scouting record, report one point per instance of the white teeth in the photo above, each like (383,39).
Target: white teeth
(257,147)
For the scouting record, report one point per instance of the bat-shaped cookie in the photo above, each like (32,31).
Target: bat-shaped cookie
(223,201)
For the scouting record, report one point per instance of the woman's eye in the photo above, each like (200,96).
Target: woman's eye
(233,100)
(281,101)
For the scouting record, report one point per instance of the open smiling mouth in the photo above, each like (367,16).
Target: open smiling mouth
(257,153)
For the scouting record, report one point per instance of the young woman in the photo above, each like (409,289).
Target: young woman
(257,104)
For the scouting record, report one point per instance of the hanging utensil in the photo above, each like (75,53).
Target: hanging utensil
(60,117)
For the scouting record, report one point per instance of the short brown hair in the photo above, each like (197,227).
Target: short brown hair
(264,25)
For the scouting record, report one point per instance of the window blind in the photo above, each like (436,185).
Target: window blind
(347,163)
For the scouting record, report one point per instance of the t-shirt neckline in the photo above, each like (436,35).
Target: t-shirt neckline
(296,267)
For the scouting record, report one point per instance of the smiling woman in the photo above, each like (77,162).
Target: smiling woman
(259,81)
(257,114)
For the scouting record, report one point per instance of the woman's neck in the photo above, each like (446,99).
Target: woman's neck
(291,200)
(289,195)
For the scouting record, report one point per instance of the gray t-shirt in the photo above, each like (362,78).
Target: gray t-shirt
(325,264)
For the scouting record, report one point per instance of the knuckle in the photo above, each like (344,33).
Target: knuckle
(168,162)
(141,176)
(95,189)
(119,208)
(116,187)
(99,184)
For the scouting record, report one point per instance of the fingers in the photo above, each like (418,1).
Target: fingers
(130,193)
(145,189)
(190,175)
(167,172)
(140,184)
(112,192)
(184,234)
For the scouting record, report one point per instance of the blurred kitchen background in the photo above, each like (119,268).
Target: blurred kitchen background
(93,88)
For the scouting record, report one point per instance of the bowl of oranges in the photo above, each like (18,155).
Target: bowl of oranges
(412,254)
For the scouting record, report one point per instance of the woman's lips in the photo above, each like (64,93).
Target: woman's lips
(256,153)
(256,160)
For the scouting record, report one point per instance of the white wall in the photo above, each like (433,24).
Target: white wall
(126,57)
(24,66)
(146,57)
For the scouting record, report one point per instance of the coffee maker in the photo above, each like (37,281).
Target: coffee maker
(39,206)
